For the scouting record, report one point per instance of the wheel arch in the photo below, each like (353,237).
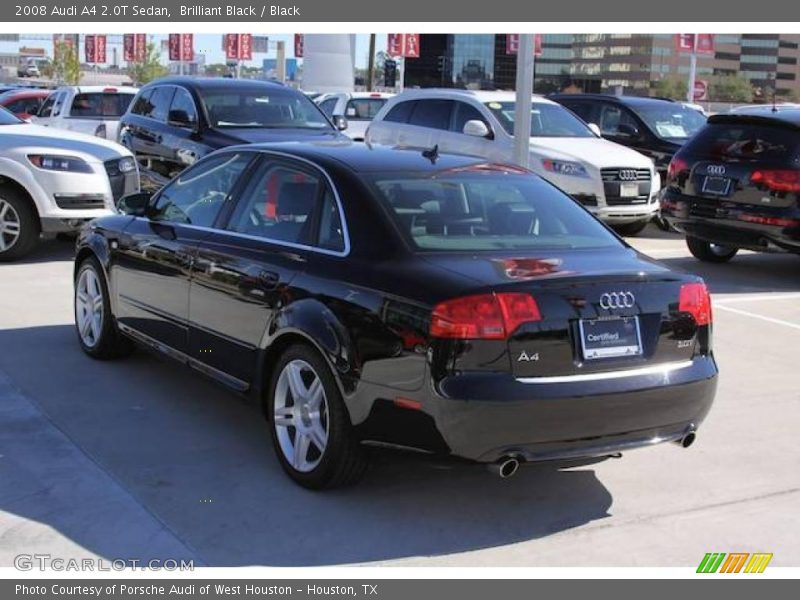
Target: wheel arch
(12,183)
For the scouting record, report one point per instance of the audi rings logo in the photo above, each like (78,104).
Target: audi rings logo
(617,300)
(715,169)
(628,175)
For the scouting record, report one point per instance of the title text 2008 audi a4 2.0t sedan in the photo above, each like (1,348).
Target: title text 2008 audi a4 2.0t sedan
(376,296)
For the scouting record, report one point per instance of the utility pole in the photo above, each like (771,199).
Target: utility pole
(522,111)
(280,61)
(371,63)
(692,69)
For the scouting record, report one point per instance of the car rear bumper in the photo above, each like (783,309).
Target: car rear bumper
(732,225)
(484,417)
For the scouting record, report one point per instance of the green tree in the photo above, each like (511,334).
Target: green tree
(66,65)
(149,68)
(731,88)
(672,87)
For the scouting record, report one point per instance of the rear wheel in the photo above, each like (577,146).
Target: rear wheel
(631,228)
(19,225)
(708,252)
(309,423)
(94,323)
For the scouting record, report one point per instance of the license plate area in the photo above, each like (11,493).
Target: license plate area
(717,186)
(628,190)
(610,338)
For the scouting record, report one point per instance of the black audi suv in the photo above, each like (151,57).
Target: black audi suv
(175,121)
(736,184)
(403,298)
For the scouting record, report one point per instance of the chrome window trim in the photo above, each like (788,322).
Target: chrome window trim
(294,245)
(662,369)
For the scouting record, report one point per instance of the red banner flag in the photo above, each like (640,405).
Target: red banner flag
(100,49)
(140,47)
(174,46)
(187,46)
(90,48)
(299,45)
(512,44)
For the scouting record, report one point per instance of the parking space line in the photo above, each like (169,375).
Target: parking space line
(757,316)
(759,297)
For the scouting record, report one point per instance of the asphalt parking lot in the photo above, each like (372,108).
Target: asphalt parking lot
(143,459)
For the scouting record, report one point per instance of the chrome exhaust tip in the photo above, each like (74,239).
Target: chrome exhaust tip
(505,467)
(688,439)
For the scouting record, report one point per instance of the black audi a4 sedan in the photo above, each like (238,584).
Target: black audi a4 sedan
(736,184)
(372,296)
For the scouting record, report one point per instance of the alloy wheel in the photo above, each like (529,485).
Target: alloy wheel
(89,307)
(301,415)
(9,226)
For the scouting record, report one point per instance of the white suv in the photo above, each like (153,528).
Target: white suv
(55,181)
(617,184)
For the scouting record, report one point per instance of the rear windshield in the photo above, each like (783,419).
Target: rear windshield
(744,141)
(100,104)
(487,208)
(363,109)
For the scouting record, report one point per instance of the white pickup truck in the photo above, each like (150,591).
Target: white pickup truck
(94,110)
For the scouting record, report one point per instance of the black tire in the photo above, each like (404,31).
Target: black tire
(28,220)
(110,343)
(662,224)
(343,461)
(708,252)
(631,228)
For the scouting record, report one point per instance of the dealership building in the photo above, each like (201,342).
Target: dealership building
(629,63)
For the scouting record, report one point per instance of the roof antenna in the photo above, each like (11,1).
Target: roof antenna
(432,154)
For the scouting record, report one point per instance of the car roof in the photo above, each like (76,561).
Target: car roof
(201,83)
(479,95)
(94,89)
(362,157)
(789,115)
(627,100)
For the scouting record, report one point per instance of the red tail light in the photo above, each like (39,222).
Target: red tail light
(483,317)
(676,167)
(772,221)
(695,299)
(777,180)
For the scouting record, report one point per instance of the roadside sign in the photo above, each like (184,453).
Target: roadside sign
(238,46)
(700,90)
(685,42)
(512,44)
(260,44)
(403,44)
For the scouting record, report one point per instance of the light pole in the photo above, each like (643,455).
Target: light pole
(692,69)
(522,112)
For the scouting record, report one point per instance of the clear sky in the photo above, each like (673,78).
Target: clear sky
(210,44)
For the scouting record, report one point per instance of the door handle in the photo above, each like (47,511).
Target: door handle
(269,279)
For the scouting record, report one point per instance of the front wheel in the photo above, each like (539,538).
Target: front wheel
(94,323)
(708,252)
(19,225)
(309,423)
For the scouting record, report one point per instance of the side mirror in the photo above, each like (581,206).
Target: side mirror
(180,118)
(135,205)
(476,128)
(628,130)
(595,129)
(340,122)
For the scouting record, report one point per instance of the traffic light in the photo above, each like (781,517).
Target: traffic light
(441,64)
(389,73)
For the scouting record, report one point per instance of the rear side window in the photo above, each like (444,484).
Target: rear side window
(100,104)
(433,114)
(278,205)
(744,141)
(487,208)
(400,112)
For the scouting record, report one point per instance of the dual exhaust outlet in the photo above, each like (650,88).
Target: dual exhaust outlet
(509,465)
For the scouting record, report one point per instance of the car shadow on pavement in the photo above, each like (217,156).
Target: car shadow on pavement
(745,274)
(198,461)
(49,250)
